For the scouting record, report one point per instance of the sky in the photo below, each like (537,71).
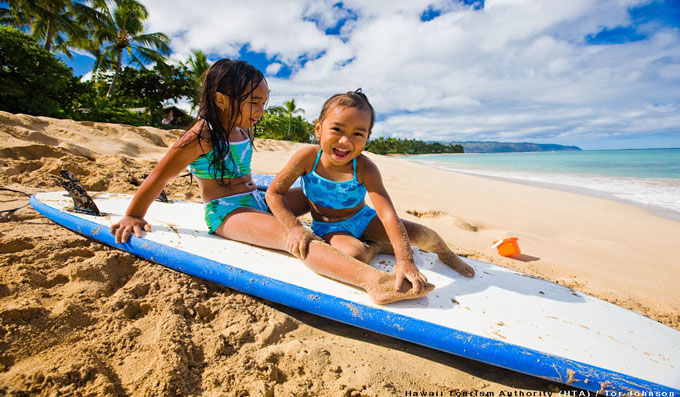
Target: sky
(598,74)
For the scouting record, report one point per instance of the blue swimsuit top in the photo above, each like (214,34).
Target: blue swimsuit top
(331,194)
(241,152)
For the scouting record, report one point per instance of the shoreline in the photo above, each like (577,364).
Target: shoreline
(654,210)
(657,210)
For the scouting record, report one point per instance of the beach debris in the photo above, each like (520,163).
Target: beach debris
(426,213)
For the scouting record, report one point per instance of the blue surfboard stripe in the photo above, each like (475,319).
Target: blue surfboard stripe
(498,353)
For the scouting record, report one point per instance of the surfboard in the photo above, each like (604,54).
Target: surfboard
(500,317)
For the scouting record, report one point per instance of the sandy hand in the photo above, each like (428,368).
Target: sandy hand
(127,226)
(298,241)
(406,269)
(383,292)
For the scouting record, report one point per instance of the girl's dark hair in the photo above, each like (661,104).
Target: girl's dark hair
(350,99)
(236,80)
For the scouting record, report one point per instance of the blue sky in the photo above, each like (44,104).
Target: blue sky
(593,73)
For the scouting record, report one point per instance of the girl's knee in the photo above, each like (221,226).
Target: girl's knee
(424,237)
(363,252)
(357,250)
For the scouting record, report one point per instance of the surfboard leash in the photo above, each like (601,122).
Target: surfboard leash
(6,215)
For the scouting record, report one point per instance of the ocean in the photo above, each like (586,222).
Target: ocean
(648,178)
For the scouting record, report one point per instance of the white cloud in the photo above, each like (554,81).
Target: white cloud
(86,77)
(514,70)
(273,68)
(216,26)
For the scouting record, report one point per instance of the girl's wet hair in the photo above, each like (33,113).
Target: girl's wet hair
(236,80)
(350,99)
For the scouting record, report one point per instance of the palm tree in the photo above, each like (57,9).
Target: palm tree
(53,22)
(198,64)
(276,110)
(290,110)
(121,29)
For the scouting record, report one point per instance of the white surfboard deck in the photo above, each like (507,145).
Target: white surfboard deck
(500,316)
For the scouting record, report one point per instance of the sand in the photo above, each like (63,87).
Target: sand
(79,318)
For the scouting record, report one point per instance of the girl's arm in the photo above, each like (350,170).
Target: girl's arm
(298,235)
(369,175)
(180,155)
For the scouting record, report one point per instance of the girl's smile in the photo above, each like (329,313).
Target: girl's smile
(340,154)
(252,108)
(343,133)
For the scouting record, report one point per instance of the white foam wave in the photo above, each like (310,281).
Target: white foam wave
(651,193)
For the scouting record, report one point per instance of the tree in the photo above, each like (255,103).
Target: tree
(52,22)
(291,110)
(198,65)
(276,110)
(121,29)
(275,124)
(23,67)
(410,146)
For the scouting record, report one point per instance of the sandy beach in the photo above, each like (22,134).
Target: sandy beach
(80,318)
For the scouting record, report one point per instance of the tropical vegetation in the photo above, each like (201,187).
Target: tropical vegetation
(278,123)
(410,146)
(54,23)
(131,82)
(23,67)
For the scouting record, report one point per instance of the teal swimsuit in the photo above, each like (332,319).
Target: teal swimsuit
(241,152)
(217,210)
(337,195)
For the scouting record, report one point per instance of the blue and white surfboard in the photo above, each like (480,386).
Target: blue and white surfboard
(500,317)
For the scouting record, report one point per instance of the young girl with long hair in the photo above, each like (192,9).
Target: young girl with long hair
(217,150)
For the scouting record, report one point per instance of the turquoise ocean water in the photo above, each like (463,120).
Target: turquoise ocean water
(648,178)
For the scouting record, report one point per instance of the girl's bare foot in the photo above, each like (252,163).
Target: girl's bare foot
(383,292)
(457,264)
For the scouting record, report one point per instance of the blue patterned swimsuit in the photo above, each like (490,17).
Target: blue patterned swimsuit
(217,210)
(337,195)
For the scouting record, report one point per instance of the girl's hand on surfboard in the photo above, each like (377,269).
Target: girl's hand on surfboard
(298,241)
(407,270)
(128,225)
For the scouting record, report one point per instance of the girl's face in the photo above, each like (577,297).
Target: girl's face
(343,133)
(252,108)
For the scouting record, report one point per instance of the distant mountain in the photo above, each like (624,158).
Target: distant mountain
(504,147)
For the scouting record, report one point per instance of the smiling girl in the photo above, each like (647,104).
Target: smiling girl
(335,178)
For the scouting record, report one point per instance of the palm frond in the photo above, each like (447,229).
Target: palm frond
(158,41)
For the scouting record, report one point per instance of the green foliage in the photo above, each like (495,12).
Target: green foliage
(104,110)
(291,109)
(52,23)
(119,30)
(151,88)
(137,88)
(409,146)
(280,126)
(33,81)
(197,66)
